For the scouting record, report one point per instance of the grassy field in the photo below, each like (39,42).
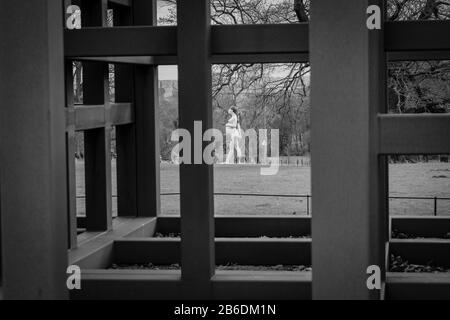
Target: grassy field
(411,180)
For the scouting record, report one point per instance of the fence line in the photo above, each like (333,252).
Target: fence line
(308,198)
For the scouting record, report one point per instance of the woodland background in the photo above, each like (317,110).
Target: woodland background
(277,95)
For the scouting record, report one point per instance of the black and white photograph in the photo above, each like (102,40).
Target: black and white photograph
(224,158)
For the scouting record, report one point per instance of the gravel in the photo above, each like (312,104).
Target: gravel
(396,234)
(228,267)
(148,266)
(280,267)
(178,235)
(398,264)
(168,235)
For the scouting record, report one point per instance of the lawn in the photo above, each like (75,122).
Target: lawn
(411,180)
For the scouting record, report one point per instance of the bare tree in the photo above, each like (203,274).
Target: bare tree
(419,86)
(413,86)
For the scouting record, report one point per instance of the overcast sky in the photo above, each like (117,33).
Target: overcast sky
(168,73)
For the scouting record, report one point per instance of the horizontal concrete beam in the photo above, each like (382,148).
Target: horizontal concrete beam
(241,251)
(260,39)
(417,286)
(126,285)
(244,43)
(83,117)
(417,36)
(426,227)
(159,41)
(278,227)
(259,58)
(143,60)
(121,41)
(422,251)
(418,55)
(247,226)
(166,285)
(262,285)
(414,134)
